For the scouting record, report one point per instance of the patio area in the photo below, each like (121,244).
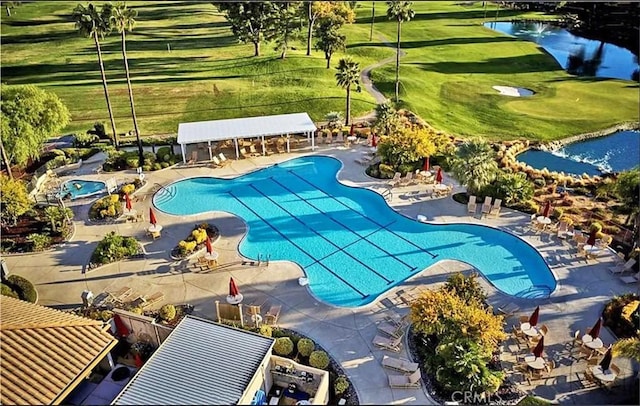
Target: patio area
(583,287)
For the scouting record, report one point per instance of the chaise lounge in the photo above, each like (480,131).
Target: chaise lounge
(406,381)
(399,364)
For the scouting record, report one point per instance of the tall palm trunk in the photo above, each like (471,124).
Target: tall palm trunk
(373,17)
(256,48)
(133,108)
(6,160)
(310,28)
(348,109)
(106,91)
(398,63)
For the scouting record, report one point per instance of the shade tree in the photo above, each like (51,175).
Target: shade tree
(249,19)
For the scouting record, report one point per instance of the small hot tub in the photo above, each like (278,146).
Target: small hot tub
(77,188)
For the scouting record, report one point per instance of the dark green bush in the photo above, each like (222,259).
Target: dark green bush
(85,140)
(132,162)
(114,247)
(57,162)
(7,291)
(306,347)
(539,182)
(24,288)
(319,359)
(283,346)
(156,166)
(341,385)
(162,164)
(162,153)
(39,242)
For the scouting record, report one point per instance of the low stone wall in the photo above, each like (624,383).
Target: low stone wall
(555,145)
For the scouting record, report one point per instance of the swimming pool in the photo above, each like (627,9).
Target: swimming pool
(352,246)
(77,188)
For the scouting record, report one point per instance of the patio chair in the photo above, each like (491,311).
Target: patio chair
(544,330)
(363,160)
(253,151)
(635,278)
(407,180)
(495,209)
(245,153)
(399,364)
(152,299)
(626,267)
(216,162)
(563,228)
(405,381)
(391,329)
(472,205)
(223,159)
(575,341)
(508,309)
(486,206)
(395,318)
(271,318)
(121,294)
(396,179)
(194,158)
(390,344)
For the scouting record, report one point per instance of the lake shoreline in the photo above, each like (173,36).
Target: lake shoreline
(555,145)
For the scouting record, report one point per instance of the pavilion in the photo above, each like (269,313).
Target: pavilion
(248,127)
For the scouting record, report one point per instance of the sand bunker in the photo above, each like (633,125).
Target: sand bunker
(513,91)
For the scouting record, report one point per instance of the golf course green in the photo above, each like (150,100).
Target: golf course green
(187,66)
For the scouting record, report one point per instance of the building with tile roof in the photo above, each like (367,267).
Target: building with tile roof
(45,353)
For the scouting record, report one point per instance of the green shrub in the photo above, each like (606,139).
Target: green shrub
(106,315)
(164,165)
(595,226)
(306,347)
(186,247)
(283,346)
(405,168)
(156,166)
(85,140)
(265,330)
(168,312)
(146,168)
(128,189)
(57,152)
(57,162)
(341,385)
(148,156)
(466,288)
(5,290)
(108,206)
(39,242)
(135,309)
(319,359)
(539,182)
(199,235)
(114,247)
(557,213)
(162,153)
(386,171)
(24,288)
(132,162)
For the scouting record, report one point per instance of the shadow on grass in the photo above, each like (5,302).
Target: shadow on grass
(156,14)
(34,23)
(43,37)
(188,42)
(437,42)
(451,15)
(508,65)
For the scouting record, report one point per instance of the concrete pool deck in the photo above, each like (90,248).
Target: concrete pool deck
(346,333)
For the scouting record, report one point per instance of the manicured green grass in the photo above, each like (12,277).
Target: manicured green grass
(447,74)
(452,62)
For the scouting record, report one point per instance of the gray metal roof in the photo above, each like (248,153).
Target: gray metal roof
(200,363)
(247,127)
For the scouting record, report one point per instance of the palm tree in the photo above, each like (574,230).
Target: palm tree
(628,348)
(475,165)
(348,75)
(373,19)
(124,19)
(400,11)
(97,25)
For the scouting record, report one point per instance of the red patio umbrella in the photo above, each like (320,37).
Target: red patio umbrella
(127,202)
(351,131)
(137,359)
(374,141)
(207,243)
(547,209)
(537,351)
(592,237)
(595,330)
(533,319)
(439,175)
(606,361)
(152,217)
(425,167)
(233,289)
(122,330)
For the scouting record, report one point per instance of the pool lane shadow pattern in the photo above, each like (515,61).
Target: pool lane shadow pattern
(351,245)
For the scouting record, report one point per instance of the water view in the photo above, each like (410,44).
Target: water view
(614,153)
(575,54)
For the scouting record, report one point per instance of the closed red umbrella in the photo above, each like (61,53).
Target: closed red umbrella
(537,351)
(137,359)
(152,217)
(127,202)
(533,319)
(595,330)
(208,245)
(122,330)
(374,142)
(439,175)
(351,131)
(547,209)
(606,361)
(233,289)
(592,238)
(425,167)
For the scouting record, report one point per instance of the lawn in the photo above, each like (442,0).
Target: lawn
(187,66)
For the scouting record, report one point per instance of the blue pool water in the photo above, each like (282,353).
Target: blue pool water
(602,59)
(77,188)
(617,152)
(352,246)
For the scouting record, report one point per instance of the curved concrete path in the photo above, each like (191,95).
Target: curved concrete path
(345,332)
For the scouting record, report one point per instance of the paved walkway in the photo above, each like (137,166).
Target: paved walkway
(346,333)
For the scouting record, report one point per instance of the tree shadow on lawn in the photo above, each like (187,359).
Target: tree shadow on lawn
(42,37)
(437,42)
(176,43)
(157,14)
(34,23)
(451,15)
(508,65)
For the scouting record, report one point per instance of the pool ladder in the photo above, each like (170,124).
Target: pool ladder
(263,261)
(387,194)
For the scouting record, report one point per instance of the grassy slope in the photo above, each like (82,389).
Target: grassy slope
(447,75)
(452,62)
(41,47)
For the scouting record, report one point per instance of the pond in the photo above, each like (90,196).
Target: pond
(577,55)
(617,152)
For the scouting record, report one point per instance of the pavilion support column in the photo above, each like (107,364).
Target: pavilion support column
(184,153)
(237,149)
(264,152)
(288,144)
(210,153)
(313,141)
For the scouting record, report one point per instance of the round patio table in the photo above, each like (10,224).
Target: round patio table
(543,220)
(352,138)
(593,343)
(528,329)
(211,256)
(535,362)
(155,228)
(602,375)
(592,249)
(235,299)
(440,186)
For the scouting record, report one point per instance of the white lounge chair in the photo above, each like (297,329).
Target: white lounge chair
(407,180)
(216,161)
(472,205)
(626,267)
(390,344)
(563,228)
(486,206)
(406,381)
(391,329)
(223,159)
(495,209)
(396,179)
(399,364)
(631,279)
